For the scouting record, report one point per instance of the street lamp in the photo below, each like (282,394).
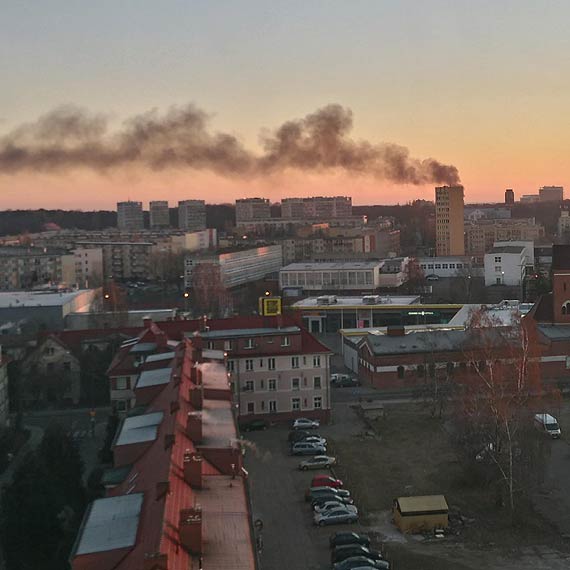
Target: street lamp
(186,296)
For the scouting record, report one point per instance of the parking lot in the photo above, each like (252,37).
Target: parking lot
(290,540)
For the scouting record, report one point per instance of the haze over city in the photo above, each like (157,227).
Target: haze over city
(456,87)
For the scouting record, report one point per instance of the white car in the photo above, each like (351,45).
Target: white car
(315,439)
(339,515)
(317,462)
(330,505)
(304,423)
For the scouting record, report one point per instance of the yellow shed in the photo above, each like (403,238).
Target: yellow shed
(418,514)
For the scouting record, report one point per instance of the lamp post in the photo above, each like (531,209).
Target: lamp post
(186,296)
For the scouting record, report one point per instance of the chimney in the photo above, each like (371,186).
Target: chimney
(147,322)
(162,489)
(396,331)
(194,426)
(155,561)
(190,529)
(193,469)
(196,396)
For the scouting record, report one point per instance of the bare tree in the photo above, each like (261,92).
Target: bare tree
(500,386)
(210,295)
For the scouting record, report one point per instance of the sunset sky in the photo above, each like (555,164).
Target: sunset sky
(483,85)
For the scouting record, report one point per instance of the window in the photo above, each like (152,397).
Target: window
(248,386)
(294,362)
(285,341)
(295,404)
(228,345)
(122,383)
(210,345)
(295,383)
(316,361)
(272,384)
(401,371)
(452,266)
(251,407)
(261,363)
(438,265)
(249,343)
(444,265)
(421,370)
(249,364)
(459,265)
(271,363)
(262,384)
(121,405)
(497,268)
(498,259)
(318,402)
(50,351)
(230,365)
(272,406)
(317,384)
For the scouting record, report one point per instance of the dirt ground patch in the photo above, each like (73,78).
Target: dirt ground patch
(411,454)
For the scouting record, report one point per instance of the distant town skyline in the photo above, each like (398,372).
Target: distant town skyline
(445,80)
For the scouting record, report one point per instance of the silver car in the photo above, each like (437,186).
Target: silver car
(303,448)
(317,462)
(339,515)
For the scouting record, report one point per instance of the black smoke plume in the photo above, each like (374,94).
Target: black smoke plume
(70,137)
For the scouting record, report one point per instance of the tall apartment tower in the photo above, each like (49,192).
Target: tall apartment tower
(159,214)
(248,209)
(449,230)
(192,215)
(509,197)
(130,215)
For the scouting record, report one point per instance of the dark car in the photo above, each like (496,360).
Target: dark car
(316,492)
(341,553)
(298,435)
(255,425)
(328,498)
(348,382)
(361,562)
(344,538)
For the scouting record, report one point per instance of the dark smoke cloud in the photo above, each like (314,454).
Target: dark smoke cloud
(69,137)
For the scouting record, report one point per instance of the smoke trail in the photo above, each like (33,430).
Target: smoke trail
(70,137)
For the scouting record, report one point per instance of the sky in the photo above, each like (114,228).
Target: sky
(481,85)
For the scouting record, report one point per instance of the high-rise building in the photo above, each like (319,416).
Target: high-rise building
(130,215)
(509,196)
(192,215)
(449,228)
(248,209)
(551,194)
(159,214)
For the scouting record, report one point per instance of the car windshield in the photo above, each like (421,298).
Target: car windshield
(552,426)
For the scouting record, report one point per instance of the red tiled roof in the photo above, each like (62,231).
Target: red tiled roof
(228,541)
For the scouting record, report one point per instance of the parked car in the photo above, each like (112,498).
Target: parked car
(343,538)
(305,423)
(328,498)
(303,448)
(330,505)
(316,492)
(317,462)
(351,550)
(298,435)
(360,562)
(343,381)
(432,277)
(315,439)
(255,425)
(339,515)
(326,481)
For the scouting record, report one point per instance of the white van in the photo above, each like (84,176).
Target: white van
(547,424)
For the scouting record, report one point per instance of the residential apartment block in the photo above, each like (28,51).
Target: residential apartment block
(449,220)
(317,207)
(278,373)
(159,214)
(248,209)
(176,496)
(130,215)
(238,267)
(508,262)
(481,236)
(192,215)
